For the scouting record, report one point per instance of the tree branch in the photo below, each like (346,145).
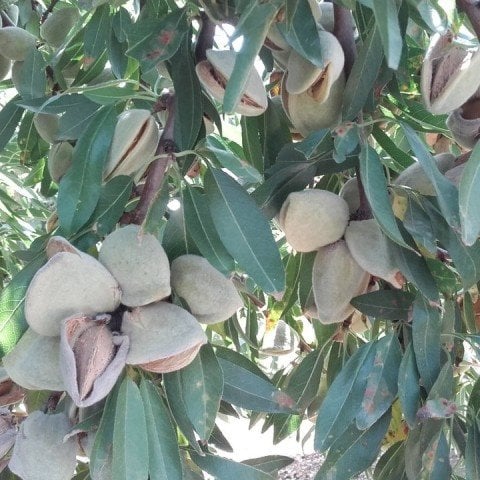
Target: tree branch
(471,8)
(156,170)
(205,37)
(48,11)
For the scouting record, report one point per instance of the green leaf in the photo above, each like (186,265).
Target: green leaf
(97,31)
(469,190)
(303,34)
(426,330)
(12,298)
(375,186)
(110,94)
(343,398)
(409,386)
(386,17)
(401,159)
(253,25)
(114,197)
(200,386)
(10,116)
(79,188)
(244,231)
(153,40)
(247,387)
(354,451)
(101,456)
(225,469)
(188,97)
(163,453)
(130,449)
(436,459)
(363,75)
(446,191)
(202,230)
(229,160)
(76,120)
(31,80)
(303,383)
(391,464)
(385,304)
(382,382)
(251,142)
(269,464)
(472,450)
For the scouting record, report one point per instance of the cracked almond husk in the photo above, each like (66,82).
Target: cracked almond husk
(41,451)
(214,73)
(449,74)
(313,218)
(464,122)
(163,337)
(134,142)
(210,296)
(369,247)
(336,279)
(91,358)
(306,113)
(69,283)
(8,433)
(304,75)
(139,263)
(34,362)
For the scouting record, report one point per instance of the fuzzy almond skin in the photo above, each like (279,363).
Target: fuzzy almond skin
(162,332)
(369,247)
(210,296)
(139,263)
(41,374)
(69,283)
(336,279)
(59,160)
(313,218)
(349,192)
(47,125)
(40,451)
(15,42)
(5,65)
(58,24)
(465,131)
(455,174)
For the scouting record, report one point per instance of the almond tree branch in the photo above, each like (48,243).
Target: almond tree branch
(205,37)
(156,170)
(48,11)
(471,8)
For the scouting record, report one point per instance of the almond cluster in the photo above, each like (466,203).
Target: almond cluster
(348,254)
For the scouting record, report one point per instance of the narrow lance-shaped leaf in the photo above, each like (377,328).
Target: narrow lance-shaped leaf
(344,396)
(382,383)
(426,330)
(386,17)
(446,191)
(130,447)
(202,230)
(244,231)
(472,450)
(254,27)
(375,186)
(354,451)
(385,304)
(10,116)
(12,297)
(225,469)
(79,189)
(409,386)
(469,193)
(163,453)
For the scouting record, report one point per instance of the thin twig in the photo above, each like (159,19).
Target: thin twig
(205,37)
(471,8)
(156,170)
(48,11)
